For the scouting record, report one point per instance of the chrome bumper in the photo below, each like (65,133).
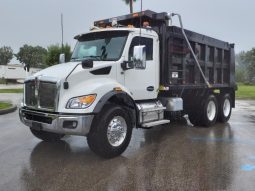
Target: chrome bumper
(56,123)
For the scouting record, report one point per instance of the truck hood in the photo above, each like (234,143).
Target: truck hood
(59,71)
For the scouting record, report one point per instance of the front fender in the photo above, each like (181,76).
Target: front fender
(100,87)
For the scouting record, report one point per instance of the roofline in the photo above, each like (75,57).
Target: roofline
(113,29)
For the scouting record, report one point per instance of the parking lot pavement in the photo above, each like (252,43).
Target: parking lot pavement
(170,157)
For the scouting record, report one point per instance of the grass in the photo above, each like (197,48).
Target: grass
(245,91)
(5,105)
(11,90)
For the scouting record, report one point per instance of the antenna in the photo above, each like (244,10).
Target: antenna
(141,22)
(62,31)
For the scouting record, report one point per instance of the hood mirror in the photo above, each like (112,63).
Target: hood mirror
(62,58)
(87,64)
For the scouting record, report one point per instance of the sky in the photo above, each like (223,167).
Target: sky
(37,22)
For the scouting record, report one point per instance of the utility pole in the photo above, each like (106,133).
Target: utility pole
(62,30)
(131,5)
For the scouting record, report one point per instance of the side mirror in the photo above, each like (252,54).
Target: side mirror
(139,57)
(62,58)
(87,64)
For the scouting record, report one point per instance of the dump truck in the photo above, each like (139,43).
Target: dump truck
(131,71)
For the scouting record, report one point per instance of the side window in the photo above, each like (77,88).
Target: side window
(148,42)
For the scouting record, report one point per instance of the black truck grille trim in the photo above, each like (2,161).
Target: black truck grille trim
(38,118)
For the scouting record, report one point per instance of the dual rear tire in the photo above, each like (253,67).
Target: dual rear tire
(211,110)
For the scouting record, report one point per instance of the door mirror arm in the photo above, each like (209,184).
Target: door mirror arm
(127,65)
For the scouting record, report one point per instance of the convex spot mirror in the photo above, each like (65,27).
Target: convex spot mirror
(61,58)
(139,57)
(87,64)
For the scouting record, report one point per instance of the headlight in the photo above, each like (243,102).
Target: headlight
(81,102)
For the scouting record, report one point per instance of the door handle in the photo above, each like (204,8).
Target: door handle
(150,88)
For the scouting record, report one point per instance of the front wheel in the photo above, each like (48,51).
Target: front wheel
(225,108)
(111,132)
(47,136)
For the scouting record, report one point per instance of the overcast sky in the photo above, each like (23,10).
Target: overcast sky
(37,22)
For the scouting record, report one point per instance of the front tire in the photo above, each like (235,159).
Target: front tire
(111,133)
(225,108)
(47,136)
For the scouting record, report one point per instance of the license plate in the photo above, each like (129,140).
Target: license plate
(36,126)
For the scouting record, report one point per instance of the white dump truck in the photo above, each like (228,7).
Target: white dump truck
(131,71)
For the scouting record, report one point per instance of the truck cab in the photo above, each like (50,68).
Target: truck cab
(116,81)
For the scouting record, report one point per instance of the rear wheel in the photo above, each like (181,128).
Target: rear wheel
(225,108)
(47,136)
(209,111)
(111,132)
(205,113)
(195,117)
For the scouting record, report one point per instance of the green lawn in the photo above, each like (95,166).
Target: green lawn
(245,91)
(11,90)
(5,105)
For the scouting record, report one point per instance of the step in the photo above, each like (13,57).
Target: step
(153,109)
(155,123)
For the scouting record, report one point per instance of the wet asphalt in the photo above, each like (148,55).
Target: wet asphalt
(170,157)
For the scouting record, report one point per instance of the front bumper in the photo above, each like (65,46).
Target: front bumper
(56,123)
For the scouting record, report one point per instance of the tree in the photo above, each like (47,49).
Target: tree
(248,60)
(6,54)
(241,68)
(32,56)
(54,51)
(130,3)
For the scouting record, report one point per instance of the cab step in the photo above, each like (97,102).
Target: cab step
(155,123)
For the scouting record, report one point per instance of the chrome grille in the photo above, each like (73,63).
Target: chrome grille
(47,94)
(30,98)
(40,94)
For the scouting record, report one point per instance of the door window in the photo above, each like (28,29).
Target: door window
(148,42)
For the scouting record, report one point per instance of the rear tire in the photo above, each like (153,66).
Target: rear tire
(47,136)
(111,133)
(225,108)
(209,111)
(195,117)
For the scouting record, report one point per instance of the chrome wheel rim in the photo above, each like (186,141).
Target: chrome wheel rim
(211,110)
(226,107)
(117,131)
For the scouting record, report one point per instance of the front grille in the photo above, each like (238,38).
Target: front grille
(47,94)
(30,98)
(40,94)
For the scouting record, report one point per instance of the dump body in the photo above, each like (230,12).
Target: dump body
(215,57)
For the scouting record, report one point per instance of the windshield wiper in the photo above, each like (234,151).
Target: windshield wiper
(97,57)
(76,59)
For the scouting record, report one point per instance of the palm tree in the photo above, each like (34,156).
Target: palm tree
(130,2)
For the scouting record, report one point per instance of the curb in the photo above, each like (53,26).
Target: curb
(9,110)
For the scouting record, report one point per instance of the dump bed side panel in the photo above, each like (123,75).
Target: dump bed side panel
(216,59)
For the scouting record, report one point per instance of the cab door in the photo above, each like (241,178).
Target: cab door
(143,82)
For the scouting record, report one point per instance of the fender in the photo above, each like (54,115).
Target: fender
(119,97)
(111,94)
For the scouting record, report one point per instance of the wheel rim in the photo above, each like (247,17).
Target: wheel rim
(211,110)
(226,107)
(117,131)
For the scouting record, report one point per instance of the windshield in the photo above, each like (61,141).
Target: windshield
(102,46)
